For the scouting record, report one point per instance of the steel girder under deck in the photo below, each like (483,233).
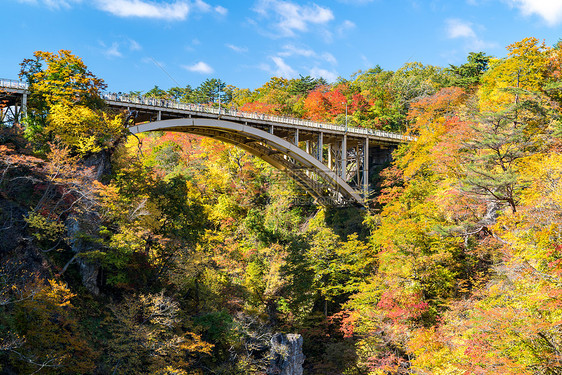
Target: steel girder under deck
(327,188)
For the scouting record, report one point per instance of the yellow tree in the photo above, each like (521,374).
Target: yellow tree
(65,102)
(511,124)
(60,78)
(83,129)
(525,68)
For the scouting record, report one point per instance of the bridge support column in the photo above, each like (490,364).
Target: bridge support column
(330,158)
(320,145)
(159,116)
(366,169)
(358,165)
(296,140)
(307,149)
(23,109)
(343,157)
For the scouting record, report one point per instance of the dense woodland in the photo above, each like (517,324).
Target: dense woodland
(168,253)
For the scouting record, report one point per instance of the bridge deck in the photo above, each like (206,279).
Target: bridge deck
(331,162)
(168,109)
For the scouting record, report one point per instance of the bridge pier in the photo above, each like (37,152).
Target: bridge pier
(23,109)
(330,157)
(343,152)
(320,147)
(366,169)
(14,108)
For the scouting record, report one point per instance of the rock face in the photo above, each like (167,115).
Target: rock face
(286,355)
(83,229)
(79,230)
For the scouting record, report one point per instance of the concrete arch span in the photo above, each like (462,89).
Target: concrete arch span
(327,188)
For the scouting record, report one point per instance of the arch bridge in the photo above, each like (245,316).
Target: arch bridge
(331,162)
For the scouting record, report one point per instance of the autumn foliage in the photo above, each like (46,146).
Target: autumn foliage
(169,253)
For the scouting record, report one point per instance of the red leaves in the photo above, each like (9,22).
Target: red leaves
(317,105)
(346,320)
(390,363)
(401,306)
(325,105)
(260,107)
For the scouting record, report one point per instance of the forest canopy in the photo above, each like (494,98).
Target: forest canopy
(169,253)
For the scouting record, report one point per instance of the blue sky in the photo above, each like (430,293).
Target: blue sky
(136,44)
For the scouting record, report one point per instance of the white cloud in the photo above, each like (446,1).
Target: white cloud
(150,60)
(113,51)
(328,57)
(202,6)
(481,45)
(120,46)
(173,10)
(345,27)
(283,69)
(459,29)
(323,73)
(290,50)
(356,2)
(134,45)
(176,11)
(221,10)
(53,4)
(293,17)
(237,48)
(200,67)
(549,10)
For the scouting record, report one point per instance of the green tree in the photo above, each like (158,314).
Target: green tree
(156,92)
(304,85)
(469,74)
(182,94)
(210,90)
(500,141)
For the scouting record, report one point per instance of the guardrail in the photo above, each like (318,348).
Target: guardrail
(170,104)
(162,103)
(13,84)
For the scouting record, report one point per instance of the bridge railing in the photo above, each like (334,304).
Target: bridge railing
(13,84)
(163,103)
